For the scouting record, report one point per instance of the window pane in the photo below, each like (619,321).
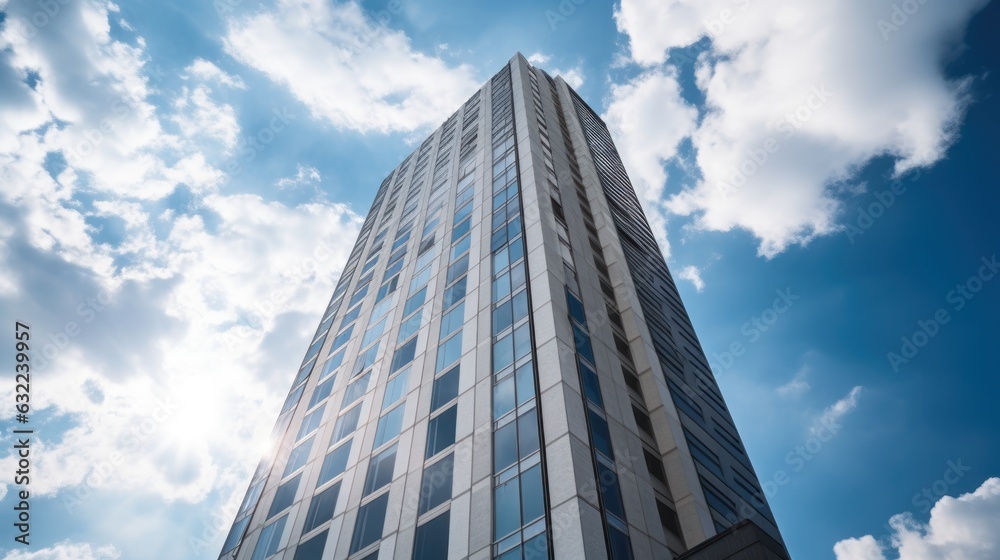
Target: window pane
(333,363)
(312,549)
(415,301)
(270,539)
(449,352)
(284,496)
(423,276)
(591,386)
(520,305)
(608,481)
(355,390)
(380,470)
(503,353)
(298,457)
(432,539)
(452,320)
(321,508)
(621,548)
(334,463)
(461,247)
(522,341)
(410,327)
(525,383)
(235,534)
(457,269)
(503,397)
(527,433)
(600,434)
(435,486)
(343,336)
(441,431)
(368,528)
(404,355)
(395,389)
(532,497)
(501,317)
(346,424)
(372,333)
(310,422)
(445,388)
(507,508)
(505,447)
(322,391)
(455,293)
(389,425)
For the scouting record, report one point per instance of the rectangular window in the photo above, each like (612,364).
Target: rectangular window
(457,269)
(321,508)
(421,278)
(435,486)
(366,359)
(312,549)
(449,351)
(409,327)
(371,519)
(404,355)
(346,424)
(270,539)
(452,320)
(395,389)
(322,391)
(335,463)
(414,302)
(355,390)
(432,538)
(310,423)
(703,454)
(298,457)
(235,534)
(389,426)
(387,288)
(461,247)
(380,470)
(441,431)
(600,434)
(373,333)
(610,491)
(445,389)
(343,336)
(455,293)
(379,310)
(284,496)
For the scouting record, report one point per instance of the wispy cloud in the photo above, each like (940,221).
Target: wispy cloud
(797,386)
(831,417)
(692,274)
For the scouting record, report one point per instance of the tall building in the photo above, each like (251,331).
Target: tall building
(505,369)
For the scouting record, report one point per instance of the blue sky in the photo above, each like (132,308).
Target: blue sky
(182,182)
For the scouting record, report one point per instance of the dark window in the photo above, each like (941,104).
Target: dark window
(600,434)
(642,420)
(270,539)
(321,508)
(441,431)
(620,545)
(445,389)
(610,491)
(655,466)
(312,549)
(404,355)
(380,470)
(668,518)
(371,518)
(432,539)
(532,496)
(334,463)
(284,496)
(435,486)
(235,534)
(591,386)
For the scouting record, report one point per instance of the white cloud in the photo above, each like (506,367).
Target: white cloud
(649,119)
(797,385)
(831,417)
(573,76)
(354,72)
(304,175)
(693,275)
(197,114)
(960,528)
(67,551)
(792,112)
(538,58)
(208,72)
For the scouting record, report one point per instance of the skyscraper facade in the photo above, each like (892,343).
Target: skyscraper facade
(505,369)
